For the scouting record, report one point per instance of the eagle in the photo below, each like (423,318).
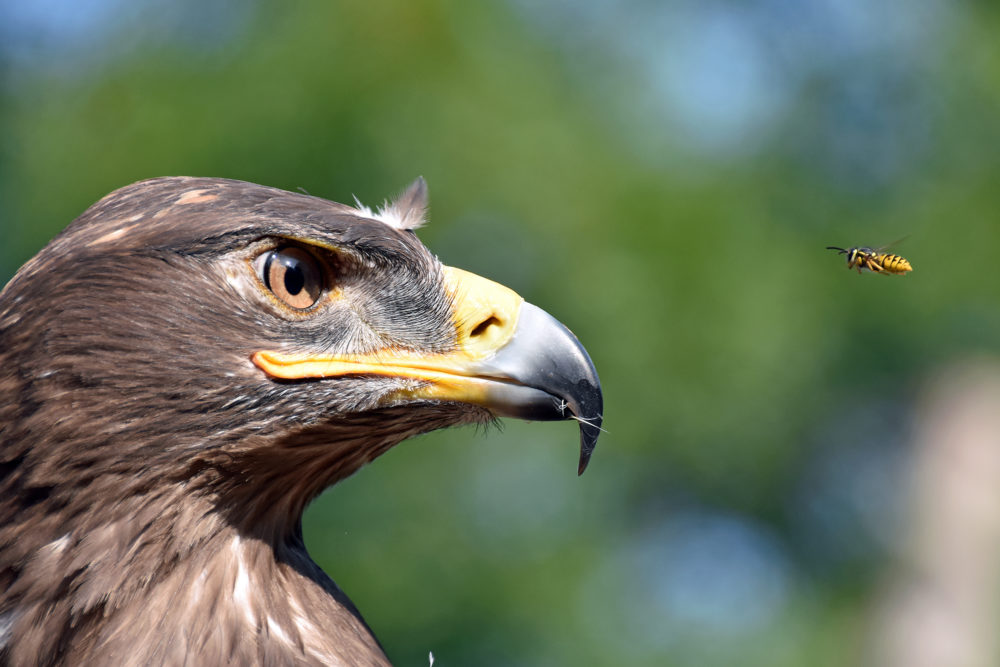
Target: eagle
(190,363)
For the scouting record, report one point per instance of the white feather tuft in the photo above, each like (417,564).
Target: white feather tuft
(408,211)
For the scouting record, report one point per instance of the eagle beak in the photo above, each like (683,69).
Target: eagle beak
(510,357)
(543,373)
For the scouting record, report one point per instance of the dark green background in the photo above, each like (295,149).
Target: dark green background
(663,178)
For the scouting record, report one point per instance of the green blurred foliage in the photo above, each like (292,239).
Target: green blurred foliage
(738,356)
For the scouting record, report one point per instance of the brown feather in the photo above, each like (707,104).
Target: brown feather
(152,481)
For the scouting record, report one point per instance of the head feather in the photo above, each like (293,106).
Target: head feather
(408,211)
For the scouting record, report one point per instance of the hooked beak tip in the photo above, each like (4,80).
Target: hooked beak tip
(589,431)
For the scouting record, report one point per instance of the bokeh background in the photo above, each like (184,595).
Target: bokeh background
(801,465)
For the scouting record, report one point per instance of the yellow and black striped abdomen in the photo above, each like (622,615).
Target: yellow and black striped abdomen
(893,263)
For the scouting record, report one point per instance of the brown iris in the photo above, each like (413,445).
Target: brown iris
(294,276)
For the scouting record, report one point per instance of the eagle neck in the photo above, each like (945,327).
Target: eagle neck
(160,581)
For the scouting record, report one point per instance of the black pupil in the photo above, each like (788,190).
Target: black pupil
(295,278)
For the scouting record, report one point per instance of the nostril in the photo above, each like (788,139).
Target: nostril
(484,326)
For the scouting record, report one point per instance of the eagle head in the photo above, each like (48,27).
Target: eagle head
(192,361)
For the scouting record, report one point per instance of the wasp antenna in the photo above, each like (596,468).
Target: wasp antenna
(833,247)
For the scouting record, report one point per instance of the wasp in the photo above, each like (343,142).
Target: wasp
(875,260)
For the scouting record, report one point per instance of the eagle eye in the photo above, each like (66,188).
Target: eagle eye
(293,275)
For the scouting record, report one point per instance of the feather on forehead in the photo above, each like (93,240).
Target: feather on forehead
(408,211)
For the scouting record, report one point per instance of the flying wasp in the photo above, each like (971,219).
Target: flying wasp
(875,260)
